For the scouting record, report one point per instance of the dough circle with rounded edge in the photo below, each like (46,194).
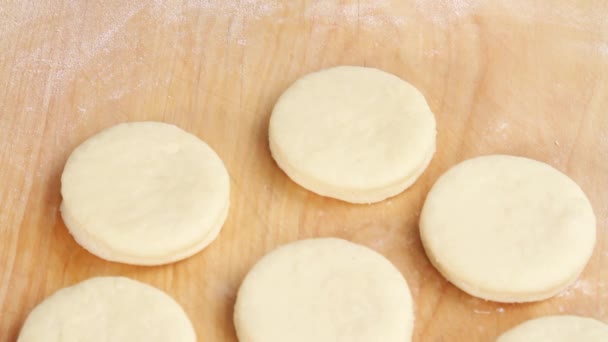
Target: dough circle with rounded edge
(144,193)
(507,228)
(324,290)
(558,329)
(357,134)
(113,309)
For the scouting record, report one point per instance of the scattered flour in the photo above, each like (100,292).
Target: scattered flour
(239,12)
(602,49)
(81,46)
(251,9)
(433,52)
(498,129)
(444,12)
(581,286)
(570,14)
(88,41)
(366,14)
(502,126)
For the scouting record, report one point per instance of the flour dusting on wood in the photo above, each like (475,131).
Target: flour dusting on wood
(444,12)
(365,14)
(581,286)
(602,48)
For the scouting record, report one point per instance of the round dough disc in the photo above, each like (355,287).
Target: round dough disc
(108,309)
(507,229)
(324,290)
(144,193)
(352,133)
(558,329)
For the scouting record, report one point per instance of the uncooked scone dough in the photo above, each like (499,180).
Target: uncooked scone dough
(507,229)
(324,290)
(106,309)
(352,133)
(558,329)
(144,193)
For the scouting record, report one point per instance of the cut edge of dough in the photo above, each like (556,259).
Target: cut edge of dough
(104,251)
(501,297)
(356,196)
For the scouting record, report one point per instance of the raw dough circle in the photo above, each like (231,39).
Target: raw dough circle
(507,229)
(558,329)
(144,193)
(324,290)
(352,133)
(108,309)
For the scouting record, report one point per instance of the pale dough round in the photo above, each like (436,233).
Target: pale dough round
(352,133)
(507,229)
(324,290)
(558,329)
(106,309)
(144,193)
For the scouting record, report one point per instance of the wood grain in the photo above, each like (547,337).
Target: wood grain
(508,76)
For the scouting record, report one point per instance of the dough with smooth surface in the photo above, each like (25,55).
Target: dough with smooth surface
(352,133)
(558,329)
(324,290)
(106,309)
(508,229)
(144,193)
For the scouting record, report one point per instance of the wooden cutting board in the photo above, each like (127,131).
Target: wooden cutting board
(518,77)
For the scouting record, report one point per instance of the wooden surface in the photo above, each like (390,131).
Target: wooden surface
(503,76)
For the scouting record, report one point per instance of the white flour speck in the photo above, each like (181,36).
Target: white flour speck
(498,129)
(602,49)
(502,126)
(433,52)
